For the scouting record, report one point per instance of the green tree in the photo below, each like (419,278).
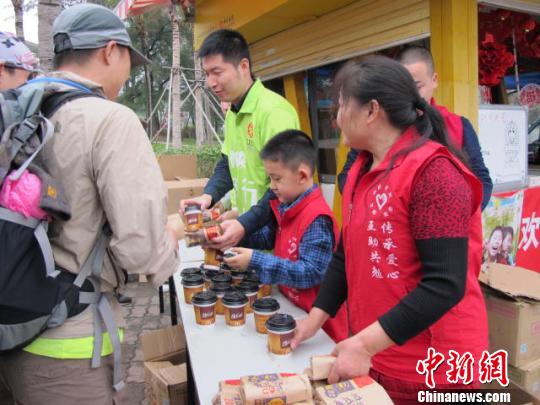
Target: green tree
(48,10)
(152,34)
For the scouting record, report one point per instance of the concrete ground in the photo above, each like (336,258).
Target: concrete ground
(141,315)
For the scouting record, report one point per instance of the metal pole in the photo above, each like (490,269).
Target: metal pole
(169,113)
(516,68)
(202,109)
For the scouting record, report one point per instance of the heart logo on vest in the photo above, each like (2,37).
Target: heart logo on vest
(381,200)
(293,247)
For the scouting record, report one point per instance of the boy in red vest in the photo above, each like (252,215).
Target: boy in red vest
(303,232)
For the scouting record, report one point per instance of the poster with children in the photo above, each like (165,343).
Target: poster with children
(501,220)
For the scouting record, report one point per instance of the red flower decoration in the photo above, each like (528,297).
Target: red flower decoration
(528,25)
(494,61)
(503,14)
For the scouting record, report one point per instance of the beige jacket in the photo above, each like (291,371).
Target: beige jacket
(105,161)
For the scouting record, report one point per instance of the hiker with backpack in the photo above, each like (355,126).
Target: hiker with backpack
(17,62)
(105,204)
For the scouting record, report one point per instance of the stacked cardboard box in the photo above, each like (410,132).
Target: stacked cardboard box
(180,175)
(165,370)
(513,304)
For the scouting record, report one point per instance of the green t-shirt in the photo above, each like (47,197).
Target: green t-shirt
(262,115)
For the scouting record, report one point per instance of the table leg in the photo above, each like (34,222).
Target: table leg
(172,299)
(161,303)
(192,392)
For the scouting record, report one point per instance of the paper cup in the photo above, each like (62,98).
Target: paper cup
(192,284)
(204,305)
(263,309)
(266,290)
(235,304)
(220,289)
(250,290)
(280,329)
(209,272)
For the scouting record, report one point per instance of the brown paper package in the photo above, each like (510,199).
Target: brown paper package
(229,394)
(320,367)
(358,390)
(290,390)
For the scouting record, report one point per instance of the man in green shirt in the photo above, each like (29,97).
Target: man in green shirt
(256,115)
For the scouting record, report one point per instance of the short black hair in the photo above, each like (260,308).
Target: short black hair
(292,148)
(77,56)
(228,43)
(414,54)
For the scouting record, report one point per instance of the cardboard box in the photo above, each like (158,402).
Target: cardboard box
(165,371)
(166,383)
(172,166)
(513,306)
(181,189)
(527,377)
(167,344)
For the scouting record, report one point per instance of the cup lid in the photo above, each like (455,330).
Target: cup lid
(204,297)
(192,280)
(266,304)
(211,273)
(221,287)
(192,207)
(221,278)
(225,266)
(190,270)
(280,323)
(247,287)
(252,277)
(234,297)
(237,273)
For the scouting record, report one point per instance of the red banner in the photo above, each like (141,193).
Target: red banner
(528,252)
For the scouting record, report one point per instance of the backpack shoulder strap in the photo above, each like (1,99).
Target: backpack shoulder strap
(56,100)
(92,267)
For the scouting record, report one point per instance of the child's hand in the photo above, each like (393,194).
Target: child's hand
(241,260)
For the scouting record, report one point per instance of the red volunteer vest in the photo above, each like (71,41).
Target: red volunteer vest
(382,263)
(292,226)
(453,124)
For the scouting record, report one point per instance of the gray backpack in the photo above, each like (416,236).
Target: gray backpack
(34,294)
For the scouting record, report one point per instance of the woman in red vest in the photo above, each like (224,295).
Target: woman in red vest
(410,253)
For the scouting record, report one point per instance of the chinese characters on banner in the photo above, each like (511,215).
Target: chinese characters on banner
(528,252)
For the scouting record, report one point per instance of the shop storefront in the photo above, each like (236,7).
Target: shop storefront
(509,129)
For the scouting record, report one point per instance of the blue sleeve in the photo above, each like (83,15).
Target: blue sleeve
(263,239)
(220,182)
(471,146)
(258,215)
(314,255)
(342,177)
